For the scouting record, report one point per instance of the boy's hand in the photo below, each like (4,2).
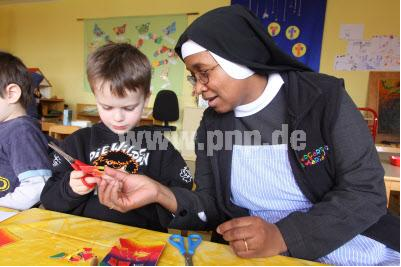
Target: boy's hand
(76,184)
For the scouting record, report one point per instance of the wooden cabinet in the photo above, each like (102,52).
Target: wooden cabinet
(52,109)
(391,174)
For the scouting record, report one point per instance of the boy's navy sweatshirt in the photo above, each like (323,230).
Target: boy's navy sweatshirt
(141,151)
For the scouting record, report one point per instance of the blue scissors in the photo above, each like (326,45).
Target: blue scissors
(193,242)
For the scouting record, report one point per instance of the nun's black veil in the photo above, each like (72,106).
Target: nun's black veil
(237,35)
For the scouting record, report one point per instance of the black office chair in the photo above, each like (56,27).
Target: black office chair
(165,109)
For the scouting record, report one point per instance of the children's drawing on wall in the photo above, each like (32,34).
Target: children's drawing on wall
(352,31)
(155,36)
(381,52)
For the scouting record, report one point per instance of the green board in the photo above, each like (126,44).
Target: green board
(155,36)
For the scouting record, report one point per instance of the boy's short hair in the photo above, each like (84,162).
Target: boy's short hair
(13,70)
(122,65)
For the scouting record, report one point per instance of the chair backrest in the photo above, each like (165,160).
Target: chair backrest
(61,131)
(370,117)
(166,107)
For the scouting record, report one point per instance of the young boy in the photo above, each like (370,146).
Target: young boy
(119,76)
(24,163)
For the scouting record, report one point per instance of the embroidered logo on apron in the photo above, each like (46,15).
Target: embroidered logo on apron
(315,156)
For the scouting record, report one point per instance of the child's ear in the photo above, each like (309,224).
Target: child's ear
(12,94)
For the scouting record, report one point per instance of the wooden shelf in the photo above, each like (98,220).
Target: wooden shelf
(87,115)
(51,100)
(49,104)
(85,112)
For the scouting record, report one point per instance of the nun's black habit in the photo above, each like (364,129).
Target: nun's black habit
(345,204)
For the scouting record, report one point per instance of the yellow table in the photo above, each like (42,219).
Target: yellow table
(44,233)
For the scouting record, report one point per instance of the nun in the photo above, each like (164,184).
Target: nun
(285,162)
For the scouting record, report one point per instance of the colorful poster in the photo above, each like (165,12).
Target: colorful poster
(295,25)
(155,36)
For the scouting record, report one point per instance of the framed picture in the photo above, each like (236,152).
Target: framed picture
(384,98)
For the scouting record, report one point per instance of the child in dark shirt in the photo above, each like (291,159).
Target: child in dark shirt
(119,76)
(24,163)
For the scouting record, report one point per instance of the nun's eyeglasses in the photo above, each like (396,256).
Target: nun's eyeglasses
(202,76)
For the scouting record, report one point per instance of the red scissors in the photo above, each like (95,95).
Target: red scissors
(94,171)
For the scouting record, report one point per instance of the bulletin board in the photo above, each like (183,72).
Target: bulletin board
(155,36)
(296,26)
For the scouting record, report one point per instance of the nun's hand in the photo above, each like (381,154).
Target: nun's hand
(123,192)
(252,237)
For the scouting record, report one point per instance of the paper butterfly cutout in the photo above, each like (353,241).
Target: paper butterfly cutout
(120,29)
(170,29)
(144,28)
(97,31)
